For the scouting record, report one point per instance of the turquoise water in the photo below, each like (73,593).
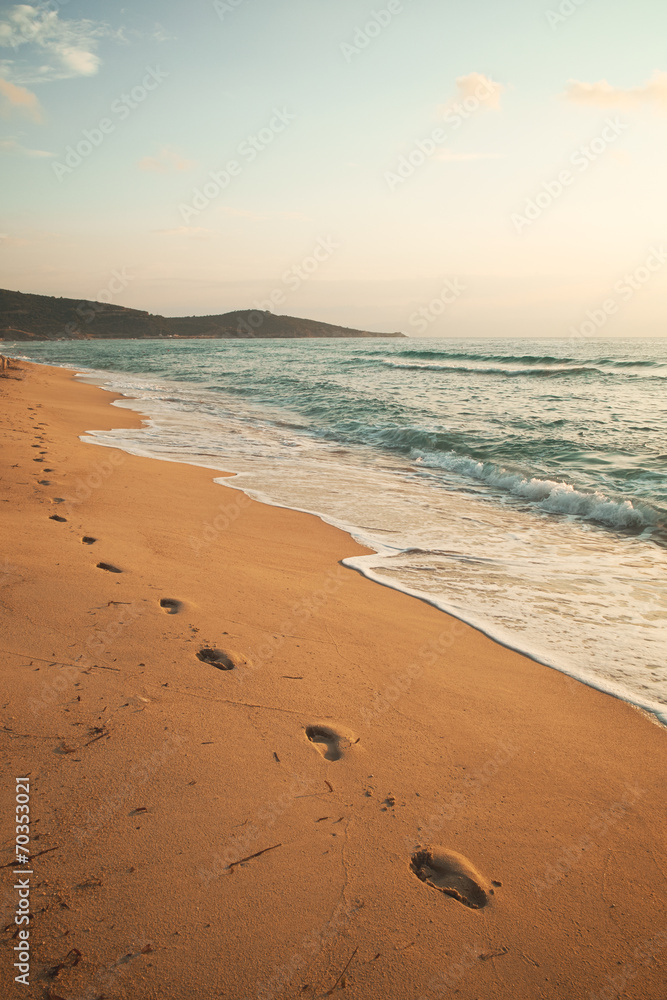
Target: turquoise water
(520,485)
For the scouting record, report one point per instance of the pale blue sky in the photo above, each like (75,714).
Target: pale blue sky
(220,73)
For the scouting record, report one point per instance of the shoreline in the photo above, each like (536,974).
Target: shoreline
(471,740)
(361,564)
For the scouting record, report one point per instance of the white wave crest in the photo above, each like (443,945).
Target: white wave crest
(551,496)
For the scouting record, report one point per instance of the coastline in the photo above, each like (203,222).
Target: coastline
(545,785)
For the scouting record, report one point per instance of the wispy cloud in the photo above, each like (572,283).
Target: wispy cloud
(13,146)
(448,156)
(478,87)
(166,161)
(46,47)
(6,240)
(18,100)
(602,94)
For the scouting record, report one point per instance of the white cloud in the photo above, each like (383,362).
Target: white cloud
(46,47)
(12,145)
(478,87)
(449,157)
(602,94)
(18,100)
(166,161)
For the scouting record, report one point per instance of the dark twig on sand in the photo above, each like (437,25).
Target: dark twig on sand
(330,992)
(251,856)
(31,857)
(72,958)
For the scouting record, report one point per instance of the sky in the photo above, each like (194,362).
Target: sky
(449,168)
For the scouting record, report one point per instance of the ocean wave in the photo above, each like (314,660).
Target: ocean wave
(518,359)
(508,372)
(551,496)
(629,364)
(533,360)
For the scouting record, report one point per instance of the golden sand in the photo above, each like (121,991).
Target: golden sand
(255,774)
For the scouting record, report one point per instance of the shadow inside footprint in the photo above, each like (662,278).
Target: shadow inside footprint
(56,517)
(108,567)
(217,658)
(88,540)
(452,874)
(171,606)
(328,742)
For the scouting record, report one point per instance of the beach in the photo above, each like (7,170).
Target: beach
(255,773)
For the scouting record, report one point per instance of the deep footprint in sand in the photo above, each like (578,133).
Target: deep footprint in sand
(56,517)
(108,567)
(452,874)
(218,658)
(328,742)
(170,605)
(88,540)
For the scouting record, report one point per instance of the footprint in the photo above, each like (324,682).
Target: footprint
(56,517)
(108,567)
(217,658)
(43,482)
(171,605)
(328,742)
(452,874)
(88,539)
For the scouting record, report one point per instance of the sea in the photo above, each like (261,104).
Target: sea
(520,485)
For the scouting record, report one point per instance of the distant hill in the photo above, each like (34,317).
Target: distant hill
(45,317)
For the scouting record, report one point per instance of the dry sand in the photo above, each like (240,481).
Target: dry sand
(357,728)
